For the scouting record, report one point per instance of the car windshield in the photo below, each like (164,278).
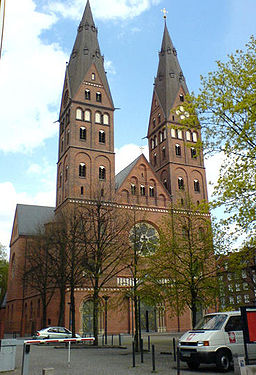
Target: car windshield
(212,322)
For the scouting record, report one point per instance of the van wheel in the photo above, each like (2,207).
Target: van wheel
(193,365)
(223,359)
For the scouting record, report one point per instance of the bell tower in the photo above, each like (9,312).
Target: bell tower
(86,133)
(172,150)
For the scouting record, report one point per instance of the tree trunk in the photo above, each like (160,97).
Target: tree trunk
(73,310)
(61,319)
(95,313)
(44,317)
(194,311)
(136,321)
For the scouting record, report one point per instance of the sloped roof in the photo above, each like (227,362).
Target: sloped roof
(86,51)
(121,176)
(31,218)
(169,75)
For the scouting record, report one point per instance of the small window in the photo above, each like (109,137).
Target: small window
(102,173)
(193,153)
(245,286)
(106,119)
(79,114)
(194,136)
(82,190)
(93,76)
(66,173)
(82,170)
(87,115)
(98,117)
(62,145)
(180,183)
(155,140)
(102,192)
(101,136)
(164,133)
(60,183)
(152,144)
(154,122)
(181,97)
(173,133)
(188,135)
(151,191)
(155,159)
(98,97)
(246,298)
(68,135)
(179,133)
(196,186)
(133,189)
(182,202)
(163,153)
(142,190)
(159,118)
(178,150)
(165,183)
(87,94)
(82,133)
(160,137)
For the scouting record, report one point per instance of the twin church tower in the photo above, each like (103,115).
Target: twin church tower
(86,168)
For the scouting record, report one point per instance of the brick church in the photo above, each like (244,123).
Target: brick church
(86,159)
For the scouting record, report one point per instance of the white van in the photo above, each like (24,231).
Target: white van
(216,338)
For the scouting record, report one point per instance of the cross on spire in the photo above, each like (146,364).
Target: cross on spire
(165,13)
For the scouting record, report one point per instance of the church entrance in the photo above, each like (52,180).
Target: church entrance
(148,318)
(87,318)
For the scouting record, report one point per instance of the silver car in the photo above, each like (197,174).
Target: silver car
(53,333)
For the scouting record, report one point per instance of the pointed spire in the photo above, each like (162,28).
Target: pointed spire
(86,51)
(169,75)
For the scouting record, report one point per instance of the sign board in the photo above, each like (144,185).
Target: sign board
(249,321)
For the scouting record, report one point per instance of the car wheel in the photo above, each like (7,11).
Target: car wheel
(193,365)
(223,360)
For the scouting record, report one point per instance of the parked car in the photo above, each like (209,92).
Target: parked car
(215,339)
(53,333)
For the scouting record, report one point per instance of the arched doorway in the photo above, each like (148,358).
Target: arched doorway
(148,317)
(87,317)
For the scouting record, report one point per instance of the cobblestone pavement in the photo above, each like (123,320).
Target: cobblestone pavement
(106,360)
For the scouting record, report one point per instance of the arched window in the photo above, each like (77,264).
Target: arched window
(83,133)
(155,140)
(196,186)
(165,183)
(142,190)
(93,76)
(98,97)
(102,173)
(62,145)
(60,181)
(181,97)
(188,135)
(106,119)
(193,153)
(180,183)
(151,191)
(155,159)
(160,137)
(82,170)
(133,189)
(163,153)
(68,135)
(87,115)
(102,136)
(66,173)
(152,144)
(87,94)
(154,122)
(194,136)
(159,118)
(179,133)
(82,190)
(98,117)
(173,133)
(178,150)
(164,133)
(79,114)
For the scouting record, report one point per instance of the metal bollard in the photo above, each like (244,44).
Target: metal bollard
(153,359)
(120,340)
(149,344)
(178,361)
(174,349)
(102,340)
(133,354)
(141,351)
(25,360)
(112,340)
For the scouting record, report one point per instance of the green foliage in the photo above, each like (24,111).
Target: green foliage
(3,273)
(225,112)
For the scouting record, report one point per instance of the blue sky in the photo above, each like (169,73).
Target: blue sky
(39,35)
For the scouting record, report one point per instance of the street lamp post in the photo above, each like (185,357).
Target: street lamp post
(106,318)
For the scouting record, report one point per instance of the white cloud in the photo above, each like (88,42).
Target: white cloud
(127,153)
(31,78)
(109,67)
(212,166)
(107,9)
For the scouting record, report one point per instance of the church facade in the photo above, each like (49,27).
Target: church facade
(86,162)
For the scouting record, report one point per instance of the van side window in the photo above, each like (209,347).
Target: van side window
(234,324)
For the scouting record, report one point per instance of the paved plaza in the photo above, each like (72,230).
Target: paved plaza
(106,360)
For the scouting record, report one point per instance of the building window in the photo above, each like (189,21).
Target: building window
(82,133)
(106,119)
(164,133)
(98,117)
(163,152)
(244,275)
(82,170)
(79,114)
(155,140)
(194,136)
(231,300)
(182,202)
(133,189)
(154,122)
(193,153)
(102,173)
(66,173)
(142,190)
(245,286)
(82,190)
(178,150)
(60,179)
(180,183)
(101,136)
(87,115)
(159,118)
(93,76)
(68,134)
(152,144)
(238,288)
(246,298)
(230,288)
(154,159)
(173,133)
(160,137)
(87,94)
(165,183)
(188,135)
(98,96)
(179,133)
(151,191)
(181,97)
(62,145)
(196,186)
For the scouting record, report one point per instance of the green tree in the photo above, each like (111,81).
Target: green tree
(225,112)
(4,265)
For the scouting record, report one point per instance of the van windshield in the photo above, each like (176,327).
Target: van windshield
(212,322)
